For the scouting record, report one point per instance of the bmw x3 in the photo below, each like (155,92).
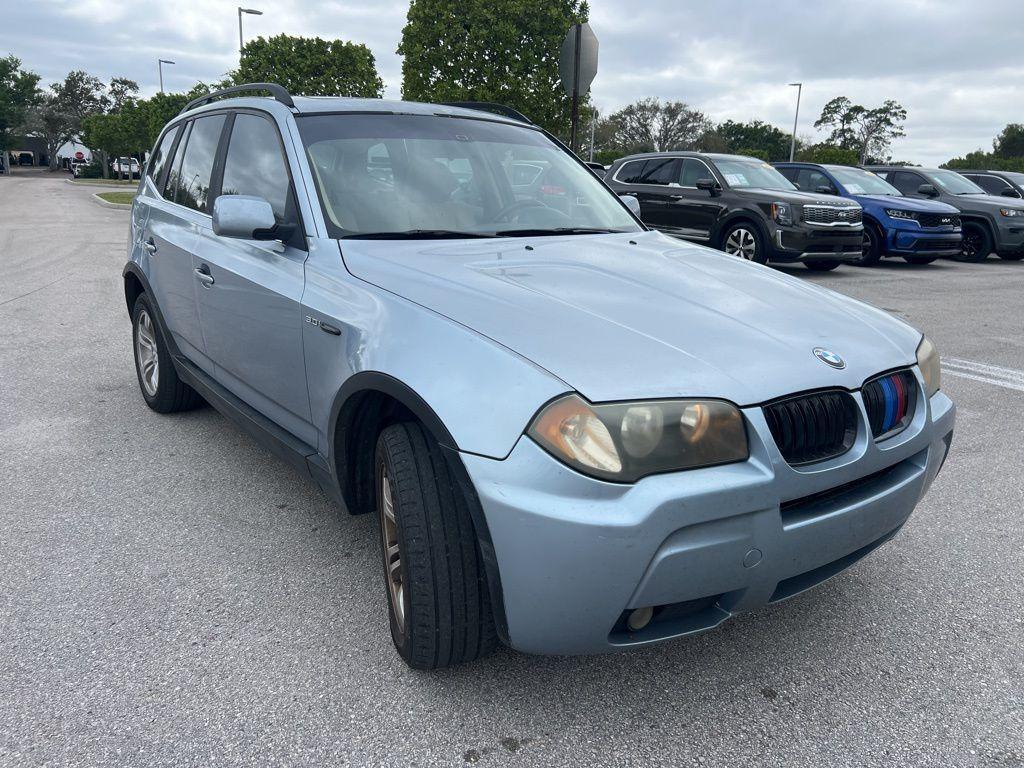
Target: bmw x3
(577,434)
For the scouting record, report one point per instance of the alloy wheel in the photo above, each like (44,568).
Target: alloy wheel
(741,242)
(865,244)
(146,354)
(970,244)
(394,573)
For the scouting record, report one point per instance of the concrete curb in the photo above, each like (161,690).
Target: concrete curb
(108,187)
(106,204)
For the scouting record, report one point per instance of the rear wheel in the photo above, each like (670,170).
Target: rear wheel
(871,246)
(920,259)
(977,242)
(821,266)
(745,241)
(161,388)
(439,606)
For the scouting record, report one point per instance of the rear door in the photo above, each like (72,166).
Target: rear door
(250,297)
(655,191)
(168,238)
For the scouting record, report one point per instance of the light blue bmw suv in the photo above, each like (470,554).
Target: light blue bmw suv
(577,434)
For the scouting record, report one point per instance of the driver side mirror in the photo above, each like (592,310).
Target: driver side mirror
(246,217)
(826,189)
(632,203)
(709,185)
(928,190)
(1010,192)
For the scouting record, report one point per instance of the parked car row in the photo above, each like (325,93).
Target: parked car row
(825,215)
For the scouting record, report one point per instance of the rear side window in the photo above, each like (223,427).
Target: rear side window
(255,165)
(631,172)
(162,154)
(662,171)
(197,163)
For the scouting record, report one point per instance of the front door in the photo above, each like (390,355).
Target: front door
(251,291)
(692,212)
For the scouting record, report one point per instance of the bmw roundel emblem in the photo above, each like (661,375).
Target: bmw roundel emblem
(829,357)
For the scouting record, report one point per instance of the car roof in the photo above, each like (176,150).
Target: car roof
(689,153)
(319,105)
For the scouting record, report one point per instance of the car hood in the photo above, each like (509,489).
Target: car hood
(793,196)
(907,203)
(984,203)
(641,315)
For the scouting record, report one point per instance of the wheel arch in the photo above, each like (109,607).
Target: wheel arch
(368,402)
(135,284)
(737,217)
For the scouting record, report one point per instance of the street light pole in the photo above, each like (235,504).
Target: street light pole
(792,144)
(242,10)
(160,65)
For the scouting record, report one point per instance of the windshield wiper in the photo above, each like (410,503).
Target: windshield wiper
(415,234)
(557,231)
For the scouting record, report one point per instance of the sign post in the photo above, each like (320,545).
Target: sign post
(577,67)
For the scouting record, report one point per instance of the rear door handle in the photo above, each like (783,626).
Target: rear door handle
(149,245)
(203,275)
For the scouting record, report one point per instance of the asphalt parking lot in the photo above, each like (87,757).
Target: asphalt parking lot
(172,594)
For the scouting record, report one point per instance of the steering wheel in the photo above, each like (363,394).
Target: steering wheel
(518,205)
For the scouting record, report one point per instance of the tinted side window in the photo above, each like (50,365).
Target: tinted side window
(906,182)
(790,173)
(255,164)
(171,187)
(197,163)
(810,179)
(692,171)
(991,184)
(663,171)
(158,162)
(631,172)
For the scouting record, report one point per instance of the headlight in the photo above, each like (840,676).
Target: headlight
(782,213)
(1011,211)
(626,441)
(895,213)
(931,370)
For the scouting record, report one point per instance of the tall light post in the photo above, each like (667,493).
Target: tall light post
(160,65)
(242,10)
(792,144)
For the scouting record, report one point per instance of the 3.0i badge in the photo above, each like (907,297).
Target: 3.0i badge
(829,357)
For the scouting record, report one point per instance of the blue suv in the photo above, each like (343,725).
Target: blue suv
(920,231)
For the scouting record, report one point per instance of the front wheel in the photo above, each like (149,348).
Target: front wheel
(821,266)
(976,244)
(438,601)
(871,247)
(745,241)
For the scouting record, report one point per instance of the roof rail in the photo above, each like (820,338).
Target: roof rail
(488,106)
(277,91)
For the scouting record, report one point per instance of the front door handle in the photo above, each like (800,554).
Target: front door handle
(149,245)
(203,275)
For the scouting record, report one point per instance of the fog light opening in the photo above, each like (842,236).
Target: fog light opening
(640,618)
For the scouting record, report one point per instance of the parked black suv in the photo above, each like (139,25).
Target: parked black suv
(740,205)
(989,223)
(1000,183)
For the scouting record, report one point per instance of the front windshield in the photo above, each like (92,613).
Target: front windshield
(858,182)
(955,184)
(430,176)
(740,174)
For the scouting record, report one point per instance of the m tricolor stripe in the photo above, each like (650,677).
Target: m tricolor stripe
(889,401)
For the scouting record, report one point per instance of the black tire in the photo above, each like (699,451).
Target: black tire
(976,244)
(446,607)
(821,266)
(920,259)
(872,246)
(170,394)
(1014,256)
(745,233)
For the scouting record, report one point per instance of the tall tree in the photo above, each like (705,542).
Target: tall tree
(868,131)
(19,90)
(310,66)
(504,51)
(1010,141)
(652,125)
(58,115)
(755,138)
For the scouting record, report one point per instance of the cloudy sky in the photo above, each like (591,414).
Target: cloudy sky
(955,65)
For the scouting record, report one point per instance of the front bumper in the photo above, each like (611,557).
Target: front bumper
(575,555)
(803,243)
(1010,237)
(923,242)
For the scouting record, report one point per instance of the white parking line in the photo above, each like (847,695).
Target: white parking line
(1008,378)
